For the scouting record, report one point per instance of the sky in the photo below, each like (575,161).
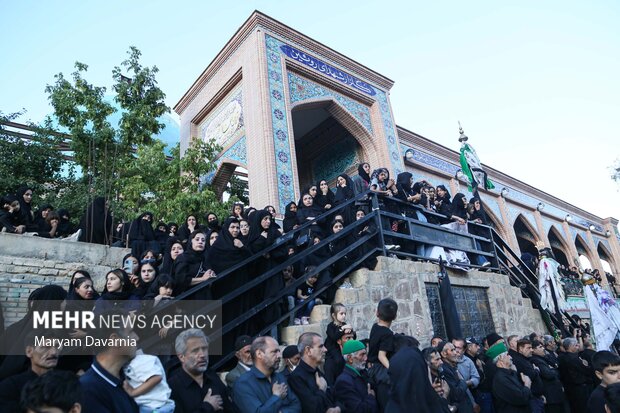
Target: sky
(534,84)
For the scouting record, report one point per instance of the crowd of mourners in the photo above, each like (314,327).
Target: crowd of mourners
(331,372)
(385,372)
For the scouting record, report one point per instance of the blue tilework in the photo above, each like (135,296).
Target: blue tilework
(430,160)
(279,121)
(396,158)
(327,69)
(331,163)
(237,152)
(302,89)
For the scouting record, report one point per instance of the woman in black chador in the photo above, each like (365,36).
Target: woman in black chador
(290,217)
(263,235)
(344,192)
(97,224)
(24,196)
(193,267)
(309,212)
(142,236)
(324,198)
(228,251)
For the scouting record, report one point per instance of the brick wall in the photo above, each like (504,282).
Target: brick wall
(28,263)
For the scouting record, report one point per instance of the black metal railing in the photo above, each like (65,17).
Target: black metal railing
(381,213)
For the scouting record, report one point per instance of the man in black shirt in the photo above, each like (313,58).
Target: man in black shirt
(552,386)
(511,391)
(576,376)
(194,388)
(307,382)
(607,368)
(521,360)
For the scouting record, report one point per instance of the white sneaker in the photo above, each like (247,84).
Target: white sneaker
(297,322)
(392,247)
(305,321)
(486,264)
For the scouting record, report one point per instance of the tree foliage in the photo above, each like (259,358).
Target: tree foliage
(615,171)
(170,188)
(122,162)
(33,162)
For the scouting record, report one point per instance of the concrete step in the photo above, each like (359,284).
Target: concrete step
(289,335)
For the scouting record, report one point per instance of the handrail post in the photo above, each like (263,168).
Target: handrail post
(377,210)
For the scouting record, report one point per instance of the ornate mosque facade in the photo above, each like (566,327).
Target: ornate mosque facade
(290,111)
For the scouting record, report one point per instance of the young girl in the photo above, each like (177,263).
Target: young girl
(336,326)
(116,293)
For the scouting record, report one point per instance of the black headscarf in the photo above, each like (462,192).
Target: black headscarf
(97,223)
(300,204)
(361,172)
(65,227)
(403,184)
(446,206)
(214,225)
(74,301)
(227,255)
(184,231)
(290,218)
(458,207)
(166,267)
(142,229)
(479,214)
(327,199)
(125,291)
(256,241)
(25,208)
(346,193)
(190,264)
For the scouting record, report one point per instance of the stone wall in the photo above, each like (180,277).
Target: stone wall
(27,263)
(404,281)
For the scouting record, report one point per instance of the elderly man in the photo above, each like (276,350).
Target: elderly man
(351,388)
(576,376)
(42,360)
(307,381)
(242,352)
(262,389)
(551,348)
(467,369)
(194,388)
(511,394)
(459,394)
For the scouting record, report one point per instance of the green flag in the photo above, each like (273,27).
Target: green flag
(472,169)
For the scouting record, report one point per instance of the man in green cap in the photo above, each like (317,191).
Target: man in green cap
(511,393)
(351,389)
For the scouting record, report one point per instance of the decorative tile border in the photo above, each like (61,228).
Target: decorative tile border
(281,134)
(279,121)
(327,70)
(330,164)
(396,158)
(303,89)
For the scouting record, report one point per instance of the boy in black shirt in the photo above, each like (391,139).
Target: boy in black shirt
(380,348)
(607,368)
